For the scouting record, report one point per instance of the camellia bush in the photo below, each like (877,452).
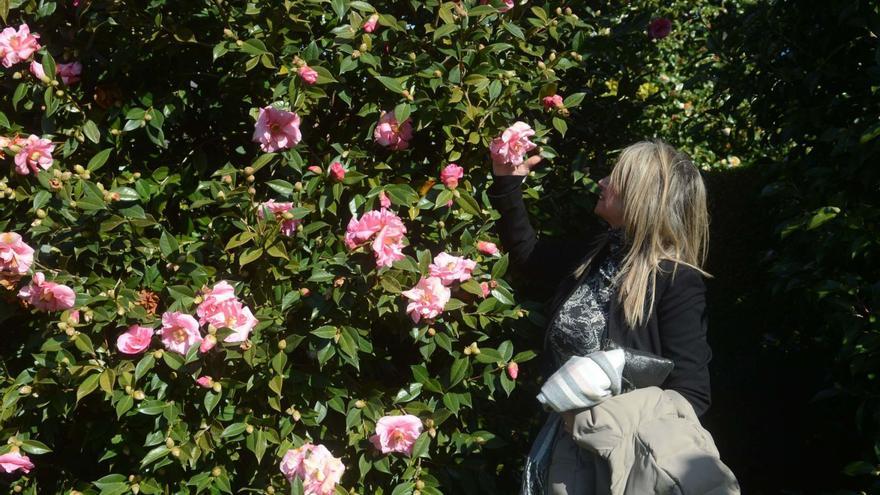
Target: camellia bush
(246,247)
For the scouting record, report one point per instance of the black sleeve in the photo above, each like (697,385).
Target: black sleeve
(542,263)
(681,318)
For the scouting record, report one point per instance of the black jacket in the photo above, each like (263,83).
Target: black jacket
(676,327)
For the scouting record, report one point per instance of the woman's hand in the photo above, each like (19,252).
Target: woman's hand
(521,169)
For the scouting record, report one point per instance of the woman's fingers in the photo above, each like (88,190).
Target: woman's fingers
(532,161)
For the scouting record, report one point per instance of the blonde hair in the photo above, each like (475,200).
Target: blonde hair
(665,216)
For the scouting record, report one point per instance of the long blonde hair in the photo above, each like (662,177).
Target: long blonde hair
(665,216)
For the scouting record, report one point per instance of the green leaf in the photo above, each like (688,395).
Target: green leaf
(211,400)
(573,100)
(250,255)
(234,429)
(281,186)
(409,393)
(560,125)
(482,10)
(35,447)
(420,448)
(445,30)
(48,65)
(457,371)
(393,84)
(467,203)
(402,112)
(41,198)
(99,160)
(324,75)
(503,295)
(500,267)
(91,131)
(168,244)
(154,455)
(87,386)
(514,30)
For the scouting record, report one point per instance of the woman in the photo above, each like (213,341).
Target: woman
(639,283)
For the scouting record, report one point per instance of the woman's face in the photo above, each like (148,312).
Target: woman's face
(610,206)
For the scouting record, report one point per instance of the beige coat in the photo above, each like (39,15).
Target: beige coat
(654,443)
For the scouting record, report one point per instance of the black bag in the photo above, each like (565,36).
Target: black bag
(641,369)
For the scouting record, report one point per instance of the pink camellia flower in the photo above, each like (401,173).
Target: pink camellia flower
(74,315)
(16,257)
(508,4)
(370,24)
(388,229)
(315,466)
(179,332)
(276,129)
(397,433)
(308,75)
(69,73)
(451,269)
(384,200)
(337,171)
(512,145)
(450,175)
(208,343)
(37,70)
(392,135)
(427,298)
(659,28)
(14,461)
(315,169)
(35,154)
(288,227)
(552,101)
(487,247)
(484,287)
(47,296)
(135,340)
(512,370)
(17,46)
(222,309)
(205,381)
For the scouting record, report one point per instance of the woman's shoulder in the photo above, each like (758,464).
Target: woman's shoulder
(675,275)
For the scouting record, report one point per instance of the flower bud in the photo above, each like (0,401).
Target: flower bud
(169,442)
(437,73)
(295,415)
(282,344)
(227,179)
(542,65)
(216,471)
(79,169)
(158,353)
(252,191)
(136,175)
(216,387)
(175,452)
(59,92)
(512,370)
(298,186)
(250,179)
(138,395)
(568,11)
(432,332)
(558,10)
(360,404)
(429,423)
(304,292)
(25,390)
(249,429)
(412,56)
(249,171)
(363,47)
